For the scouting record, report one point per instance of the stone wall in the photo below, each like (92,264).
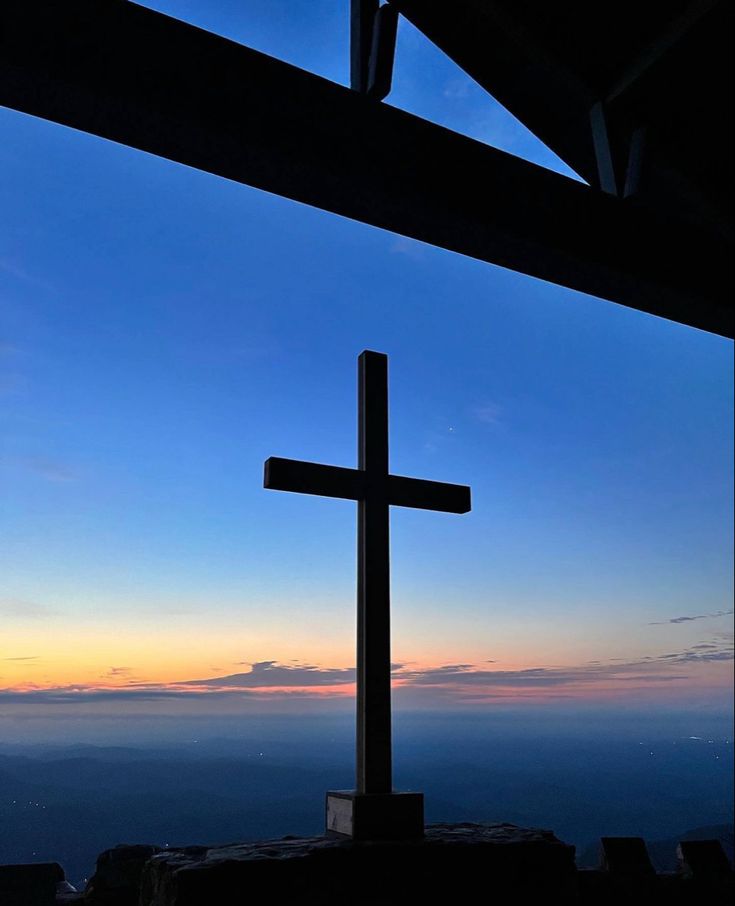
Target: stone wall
(452,863)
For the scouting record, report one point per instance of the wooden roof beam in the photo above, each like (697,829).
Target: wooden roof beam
(135,76)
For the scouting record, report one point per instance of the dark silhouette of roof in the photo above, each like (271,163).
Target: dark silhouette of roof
(635,97)
(611,87)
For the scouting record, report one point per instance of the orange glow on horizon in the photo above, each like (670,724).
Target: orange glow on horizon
(414,684)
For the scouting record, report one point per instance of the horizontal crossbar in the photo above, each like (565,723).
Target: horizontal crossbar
(313,478)
(354,484)
(428,495)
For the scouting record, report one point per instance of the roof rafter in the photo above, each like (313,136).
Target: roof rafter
(135,76)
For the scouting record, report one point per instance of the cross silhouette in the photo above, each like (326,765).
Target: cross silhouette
(375,490)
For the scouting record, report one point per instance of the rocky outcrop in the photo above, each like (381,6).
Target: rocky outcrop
(452,863)
(444,866)
(32,884)
(116,880)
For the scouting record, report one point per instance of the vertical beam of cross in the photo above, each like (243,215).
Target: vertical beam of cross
(375,491)
(374,769)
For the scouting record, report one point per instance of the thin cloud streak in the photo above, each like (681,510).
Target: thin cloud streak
(19,607)
(264,674)
(488,413)
(532,677)
(47,468)
(87,694)
(690,619)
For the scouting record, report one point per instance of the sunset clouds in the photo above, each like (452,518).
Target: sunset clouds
(704,665)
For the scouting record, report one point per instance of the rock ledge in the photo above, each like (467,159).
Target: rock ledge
(447,863)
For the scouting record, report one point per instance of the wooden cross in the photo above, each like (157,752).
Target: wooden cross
(375,490)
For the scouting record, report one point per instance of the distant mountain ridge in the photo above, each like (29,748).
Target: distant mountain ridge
(69,802)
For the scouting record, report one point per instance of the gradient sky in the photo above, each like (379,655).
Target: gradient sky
(165,331)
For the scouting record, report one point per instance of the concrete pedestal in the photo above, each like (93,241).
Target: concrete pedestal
(375,816)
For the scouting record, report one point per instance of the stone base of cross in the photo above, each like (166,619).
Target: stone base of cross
(373,811)
(375,816)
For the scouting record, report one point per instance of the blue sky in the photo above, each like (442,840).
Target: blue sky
(165,331)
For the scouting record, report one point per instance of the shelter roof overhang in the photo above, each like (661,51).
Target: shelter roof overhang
(619,102)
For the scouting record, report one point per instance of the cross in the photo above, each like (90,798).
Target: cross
(375,490)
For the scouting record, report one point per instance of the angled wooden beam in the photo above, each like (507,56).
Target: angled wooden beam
(135,76)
